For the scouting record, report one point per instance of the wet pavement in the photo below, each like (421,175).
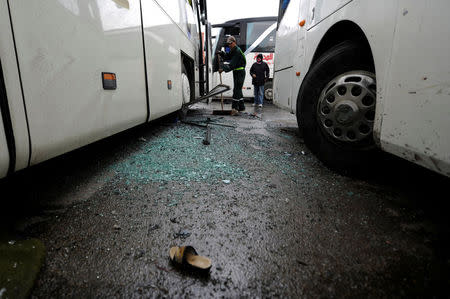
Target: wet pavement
(273,219)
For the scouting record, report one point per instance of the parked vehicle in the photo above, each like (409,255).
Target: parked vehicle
(362,75)
(254,36)
(74,72)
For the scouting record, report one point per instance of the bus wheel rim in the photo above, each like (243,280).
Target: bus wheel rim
(346,107)
(186,89)
(268,93)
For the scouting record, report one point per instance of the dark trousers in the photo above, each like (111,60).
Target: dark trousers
(238,97)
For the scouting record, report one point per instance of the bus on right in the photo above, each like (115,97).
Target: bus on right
(366,75)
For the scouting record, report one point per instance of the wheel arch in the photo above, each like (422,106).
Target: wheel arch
(189,66)
(343,31)
(188,63)
(340,32)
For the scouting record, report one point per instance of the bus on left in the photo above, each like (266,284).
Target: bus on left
(74,72)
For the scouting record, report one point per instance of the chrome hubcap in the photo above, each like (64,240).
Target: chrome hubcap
(268,93)
(185,87)
(346,108)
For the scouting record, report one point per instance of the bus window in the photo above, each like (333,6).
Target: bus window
(172,9)
(254,31)
(232,31)
(190,18)
(282,9)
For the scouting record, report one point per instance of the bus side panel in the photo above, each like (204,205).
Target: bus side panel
(4,155)
(416,120)
(13,91)
(63,48)
(319,9)
(368,15)
(162,38)
(283,88)
(289,36)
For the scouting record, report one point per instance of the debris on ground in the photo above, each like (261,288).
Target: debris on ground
(153,227)
(207,140)
(182,234)
(168,158)
(173,203)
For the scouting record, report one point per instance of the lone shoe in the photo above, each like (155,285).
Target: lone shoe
(187,257)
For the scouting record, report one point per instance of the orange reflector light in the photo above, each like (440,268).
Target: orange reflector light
(109,81)
(109,76)
(302,23)
(298,74)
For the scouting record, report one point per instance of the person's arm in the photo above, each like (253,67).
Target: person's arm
(267,71)
(252,71)
(226,56)
(233,63)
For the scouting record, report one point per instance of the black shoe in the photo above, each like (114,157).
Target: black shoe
(241,106)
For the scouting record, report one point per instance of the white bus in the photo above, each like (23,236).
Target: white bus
(73,72)
(364,74)
(254,36)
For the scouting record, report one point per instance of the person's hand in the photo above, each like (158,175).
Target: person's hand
(220,71)
(254,76)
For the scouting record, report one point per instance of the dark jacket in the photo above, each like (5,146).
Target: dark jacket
(261,70)
(237,58)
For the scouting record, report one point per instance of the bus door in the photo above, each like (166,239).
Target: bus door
(209,57)
(162,38)
(416,114)
(226,31)
(220,44)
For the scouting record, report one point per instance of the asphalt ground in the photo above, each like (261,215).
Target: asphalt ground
(273,219)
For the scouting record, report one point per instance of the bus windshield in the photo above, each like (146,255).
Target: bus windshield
(254,32)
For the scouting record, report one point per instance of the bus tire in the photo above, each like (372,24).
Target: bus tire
(268,91)
(336,109)
(187,91)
